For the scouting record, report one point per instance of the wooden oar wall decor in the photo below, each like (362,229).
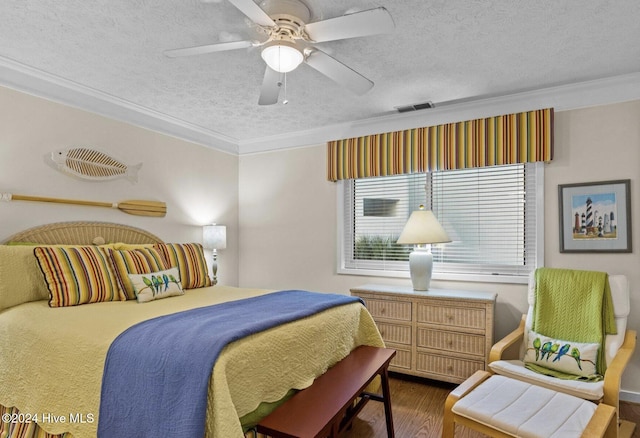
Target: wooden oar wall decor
(138,208)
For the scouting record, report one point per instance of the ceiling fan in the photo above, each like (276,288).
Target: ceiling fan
(290,40)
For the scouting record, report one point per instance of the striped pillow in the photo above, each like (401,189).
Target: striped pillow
(190,261)
(134,261)
(77,275)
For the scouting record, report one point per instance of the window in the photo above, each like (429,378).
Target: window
(493,216)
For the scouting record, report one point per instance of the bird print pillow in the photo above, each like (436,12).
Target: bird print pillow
(568,357)
(156,285)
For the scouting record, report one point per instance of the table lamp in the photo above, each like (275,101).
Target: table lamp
(214,237)
(422,230)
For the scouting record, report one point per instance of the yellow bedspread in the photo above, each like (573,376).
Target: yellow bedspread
(52,359)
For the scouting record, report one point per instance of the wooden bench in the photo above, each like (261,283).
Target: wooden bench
(327,407)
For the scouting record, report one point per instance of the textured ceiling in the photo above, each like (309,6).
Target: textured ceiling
(441,51)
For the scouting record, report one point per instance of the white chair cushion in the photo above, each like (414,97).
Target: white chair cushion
(515,369)
(523,410)
(620,295)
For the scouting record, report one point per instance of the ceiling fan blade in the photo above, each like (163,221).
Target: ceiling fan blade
(270,87)
(209,48)
(369,22)
(340,73)
(254,12)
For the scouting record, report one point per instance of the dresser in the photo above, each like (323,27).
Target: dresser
(438,334)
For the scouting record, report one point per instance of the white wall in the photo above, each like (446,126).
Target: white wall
(599,144)
(199,185)
(288,216)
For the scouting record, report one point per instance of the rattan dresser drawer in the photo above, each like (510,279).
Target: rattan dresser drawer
(402,360)
(395,333)
(467,317)
(451,341)
(400,310)
(447,368)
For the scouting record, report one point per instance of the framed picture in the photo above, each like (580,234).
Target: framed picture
(595,217)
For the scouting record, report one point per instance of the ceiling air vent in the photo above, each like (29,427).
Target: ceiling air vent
(415,107)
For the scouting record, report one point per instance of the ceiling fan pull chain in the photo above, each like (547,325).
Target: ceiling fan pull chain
(285,101)
(280,60)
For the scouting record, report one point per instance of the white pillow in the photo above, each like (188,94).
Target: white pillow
(156,285)
(569,357)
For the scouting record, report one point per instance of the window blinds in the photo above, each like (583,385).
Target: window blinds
(489,213)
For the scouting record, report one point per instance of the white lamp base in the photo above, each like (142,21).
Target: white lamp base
(214,268)
(421,267)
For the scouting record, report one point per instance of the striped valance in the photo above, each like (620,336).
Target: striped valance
(508,139)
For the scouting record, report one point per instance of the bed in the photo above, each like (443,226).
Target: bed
(53,359)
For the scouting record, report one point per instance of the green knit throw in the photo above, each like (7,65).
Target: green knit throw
(575,306)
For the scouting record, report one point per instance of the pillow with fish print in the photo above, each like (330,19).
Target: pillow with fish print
(156,285)
(575,358)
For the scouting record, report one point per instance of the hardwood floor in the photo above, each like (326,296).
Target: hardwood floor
(417,406)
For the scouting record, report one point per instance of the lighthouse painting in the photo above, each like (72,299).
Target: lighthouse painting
(595,216)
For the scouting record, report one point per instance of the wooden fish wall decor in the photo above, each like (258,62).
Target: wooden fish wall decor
(93,165)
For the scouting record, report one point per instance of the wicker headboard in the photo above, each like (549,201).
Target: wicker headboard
(84,233)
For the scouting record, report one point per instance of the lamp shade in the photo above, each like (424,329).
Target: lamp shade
(282,56)
(422,228)
(214,236)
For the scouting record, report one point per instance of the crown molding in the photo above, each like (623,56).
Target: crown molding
(41,84)
(605,91)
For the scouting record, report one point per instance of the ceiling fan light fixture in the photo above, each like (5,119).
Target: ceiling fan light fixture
(282,56)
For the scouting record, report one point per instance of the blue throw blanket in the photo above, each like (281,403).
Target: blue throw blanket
(156,374)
